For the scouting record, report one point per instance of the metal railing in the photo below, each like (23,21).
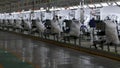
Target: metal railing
(83,40)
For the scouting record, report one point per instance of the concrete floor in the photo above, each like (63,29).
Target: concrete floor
(9,60)
(45,55)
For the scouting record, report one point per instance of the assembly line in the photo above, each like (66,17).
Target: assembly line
(64,22)
(78,36)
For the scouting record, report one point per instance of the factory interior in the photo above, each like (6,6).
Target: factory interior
(59,33)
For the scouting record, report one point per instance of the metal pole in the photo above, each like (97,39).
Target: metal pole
(82,11)
(81,17)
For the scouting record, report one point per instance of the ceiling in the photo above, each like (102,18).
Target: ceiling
(5,2)
(50,3)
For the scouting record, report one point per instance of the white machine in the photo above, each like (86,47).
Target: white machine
(111,32)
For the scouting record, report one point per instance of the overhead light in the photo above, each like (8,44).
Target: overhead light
(91,5)
(62,8)
(113,3)
(57,9)
(36,10)
(75,7)
(104,4)
(52,9)
(80,6)
(98,5)
(85,6)
(71,7)
(118,2)
(41,8)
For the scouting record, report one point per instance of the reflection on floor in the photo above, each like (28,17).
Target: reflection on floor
(46,55)
(1,66)
(8,60)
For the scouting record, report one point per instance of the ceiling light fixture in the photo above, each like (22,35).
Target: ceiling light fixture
(98,5)
(91,5)
(104,4)
(118,2)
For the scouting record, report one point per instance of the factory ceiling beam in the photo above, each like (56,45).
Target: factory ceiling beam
(26,4)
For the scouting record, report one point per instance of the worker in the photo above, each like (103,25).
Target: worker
(92,25)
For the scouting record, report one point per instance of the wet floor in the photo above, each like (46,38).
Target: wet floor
(45,55)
